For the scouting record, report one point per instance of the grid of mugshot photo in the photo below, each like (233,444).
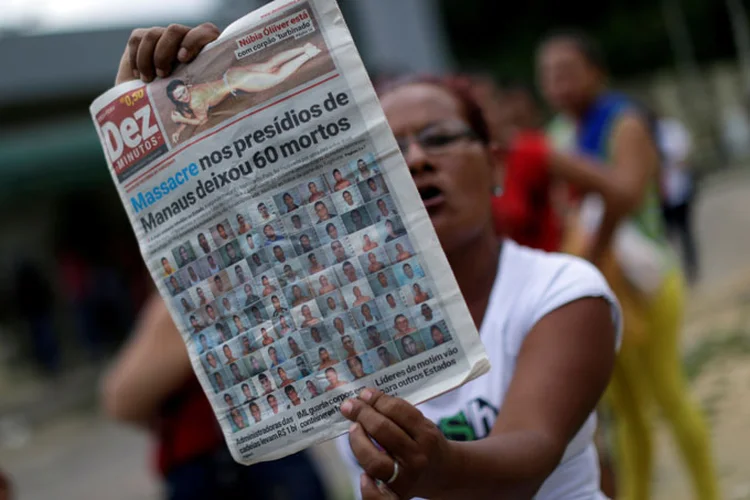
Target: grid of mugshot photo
(302,292)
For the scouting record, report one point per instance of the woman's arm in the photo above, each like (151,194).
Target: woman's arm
(562,370)
(622,185)
(152,366)
(184,120)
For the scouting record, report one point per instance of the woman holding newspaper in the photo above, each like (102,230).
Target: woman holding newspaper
(549,322)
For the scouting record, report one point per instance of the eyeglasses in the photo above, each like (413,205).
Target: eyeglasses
(437,139)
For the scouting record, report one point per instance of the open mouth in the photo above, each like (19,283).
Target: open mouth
(431,196)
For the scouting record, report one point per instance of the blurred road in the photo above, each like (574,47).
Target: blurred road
(84,457)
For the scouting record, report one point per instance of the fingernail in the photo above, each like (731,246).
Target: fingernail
(353,427)
(161,73)
(136,75)
(365,395)
(346,408)
(363,480)
(182,55)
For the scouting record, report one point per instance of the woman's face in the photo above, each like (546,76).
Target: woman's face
(456,185)
(182,93)
(568,81)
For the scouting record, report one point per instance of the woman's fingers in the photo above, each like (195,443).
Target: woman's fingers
(195,40)
(374,462)
(165,52)
(132,54)
(388,435)
(145,57)
(403,414)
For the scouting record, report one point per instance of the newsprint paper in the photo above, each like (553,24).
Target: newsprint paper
(282,228)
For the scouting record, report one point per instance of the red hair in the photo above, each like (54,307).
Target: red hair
(459,86)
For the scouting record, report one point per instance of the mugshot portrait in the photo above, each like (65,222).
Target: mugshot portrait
(246,392)
(220,283)
(229,353)
(272,232)
(359,366)
(400,250)
(339,250)
(402,324)
(255,364)
(314,337)
(408,271)
(211,264)
(331,231)
(297,221)
(219,381)
(220,332)
(183,254)
(313,190)
(256,410)
(339,178)
(268,284)
(285,374)
(238,324)
(391,229)
(410,345)
(390,304)
(279,253)
(436,335)
(324,282)
(349,272)
(194,322)
(383,282)
(298,293)
(265,334)
(191,275)
(174,285)
(276,304)
(239,273)
(347,199)
(294,345)
(275,403)
(348,346)
(375,335)
(263,211)
(184,302)
(325,357)
(312,388)
(231,253)
(202,294)
(203,342)
(335,377)
(288,200)
(357,293)
(293,396)
(427,313)
(305,241)
(258,262)
(341,325)
(211,362)
(366,240)
(322,211)
(291,272)
(222,233)
(228,304)
(356,220)
(247,344)
(332,304)
(315,262)
(417,292)
(210,313)
(382,209)
(237,372)
(257,313)
(242,224)
(264,384)
(166,266)
(304,367)
(364,167)
(246,295)
(374,261)
(275,355)
(373,188)
(384,356)
(228,399)
(307,315)
(204,244)
(249,243)
(367,314)
(284,325)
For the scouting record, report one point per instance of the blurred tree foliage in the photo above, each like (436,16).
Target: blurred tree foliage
(501,36)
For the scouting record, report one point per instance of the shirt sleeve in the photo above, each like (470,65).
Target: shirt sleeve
(574,279)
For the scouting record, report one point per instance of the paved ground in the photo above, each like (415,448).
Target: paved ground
(82,457)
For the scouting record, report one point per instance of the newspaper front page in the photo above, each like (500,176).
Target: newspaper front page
(282,228)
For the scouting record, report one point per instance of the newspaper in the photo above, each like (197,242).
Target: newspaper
(283,229)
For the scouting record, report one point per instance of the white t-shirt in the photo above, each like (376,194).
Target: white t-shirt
(529,285)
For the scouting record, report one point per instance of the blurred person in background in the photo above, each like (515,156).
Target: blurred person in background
(678,189)
(151,384)
(35,305)
(615,164)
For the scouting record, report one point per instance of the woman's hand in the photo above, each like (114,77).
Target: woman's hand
(152,52)
(423,454)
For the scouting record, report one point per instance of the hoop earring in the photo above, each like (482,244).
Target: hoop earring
(497,191)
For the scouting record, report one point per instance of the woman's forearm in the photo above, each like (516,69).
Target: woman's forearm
(508,465)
